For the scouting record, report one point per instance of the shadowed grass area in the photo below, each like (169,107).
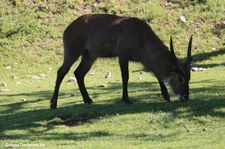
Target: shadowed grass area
(148,120)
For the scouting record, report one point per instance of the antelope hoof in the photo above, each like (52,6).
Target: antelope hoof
(88,101)
(127,101)
(167,98)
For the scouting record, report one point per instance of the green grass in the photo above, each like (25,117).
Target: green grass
(31,44)
(148,122)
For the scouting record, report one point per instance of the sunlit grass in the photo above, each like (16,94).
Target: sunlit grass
(148,122)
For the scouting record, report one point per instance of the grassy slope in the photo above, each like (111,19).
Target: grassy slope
(31,44)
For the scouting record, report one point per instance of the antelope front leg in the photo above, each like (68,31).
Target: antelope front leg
(164,91)
(125,78)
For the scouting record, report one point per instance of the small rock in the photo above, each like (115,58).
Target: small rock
(201,69)
(91,73)
(95,4)
(109,75)
(4,90)
(8,67)
(3,84)
(41,75)
(183,19)
(140,78)
(223,22)
(35,77)
(72,79)
(102,85)
(13,77)
(195,69)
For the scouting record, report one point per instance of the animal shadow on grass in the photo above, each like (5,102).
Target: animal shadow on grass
(206,56)
(72,115)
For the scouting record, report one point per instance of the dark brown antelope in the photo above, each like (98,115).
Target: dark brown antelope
(130,39)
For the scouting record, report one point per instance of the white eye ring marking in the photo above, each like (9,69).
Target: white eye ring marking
(167,80)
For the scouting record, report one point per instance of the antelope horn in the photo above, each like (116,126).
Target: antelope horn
(171,48)
(189,58)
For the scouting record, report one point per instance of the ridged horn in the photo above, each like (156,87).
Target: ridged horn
(171,48)
(189,58)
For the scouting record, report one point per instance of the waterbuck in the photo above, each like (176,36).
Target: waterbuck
(130,39)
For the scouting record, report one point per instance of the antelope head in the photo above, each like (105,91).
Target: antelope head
(179,76)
